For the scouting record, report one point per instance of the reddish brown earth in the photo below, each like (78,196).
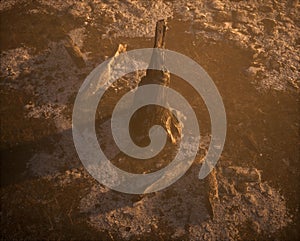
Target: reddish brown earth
(251,51)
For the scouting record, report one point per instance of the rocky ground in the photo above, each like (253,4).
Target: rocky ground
(251,51)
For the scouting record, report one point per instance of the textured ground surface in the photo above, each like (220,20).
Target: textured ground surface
(251,51)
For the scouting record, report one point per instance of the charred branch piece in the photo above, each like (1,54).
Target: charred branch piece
(74,52)
(212,192)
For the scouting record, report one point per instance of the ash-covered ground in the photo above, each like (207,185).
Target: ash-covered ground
(251,51)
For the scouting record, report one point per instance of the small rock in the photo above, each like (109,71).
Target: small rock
(269,191)
(240,16)
(29,105)
(265,9)
(208,228)
(250,199)
(252,16)
(77,175)
(255,227)
(217,5)
(269,25)
(254,30)
(293,68)
(75,13)
(25,73)
(262,213)
(232,191)
(274,64)
(252,71)
(222,16)
(293,83)
(242,187)
(241,174)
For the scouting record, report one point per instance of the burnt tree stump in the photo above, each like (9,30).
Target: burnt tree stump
(148,116)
